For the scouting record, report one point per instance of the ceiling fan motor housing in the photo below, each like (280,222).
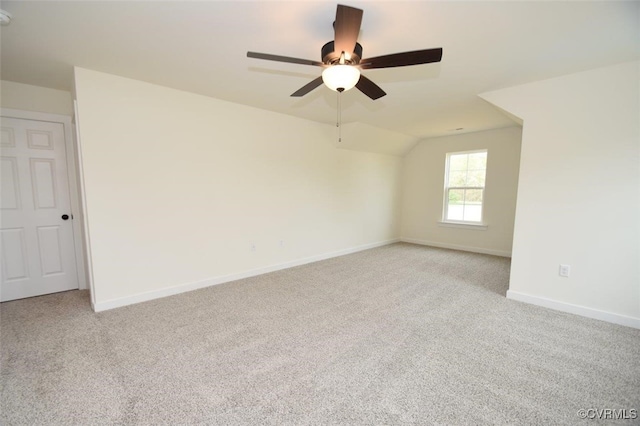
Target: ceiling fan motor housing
(331,57)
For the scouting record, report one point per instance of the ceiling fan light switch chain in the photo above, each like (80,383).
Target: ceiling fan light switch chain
(339,118)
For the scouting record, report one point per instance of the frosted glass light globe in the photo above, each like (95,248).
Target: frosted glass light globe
(341,77)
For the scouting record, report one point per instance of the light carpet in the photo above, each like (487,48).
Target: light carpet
(401,334)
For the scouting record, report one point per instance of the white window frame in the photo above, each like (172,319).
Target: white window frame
(445,200)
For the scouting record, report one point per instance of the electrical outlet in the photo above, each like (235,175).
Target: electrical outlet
(281,243)
(253,247)
(565,270)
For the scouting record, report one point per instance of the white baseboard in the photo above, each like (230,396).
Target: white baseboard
(182,288)
(575,309)
(456,247)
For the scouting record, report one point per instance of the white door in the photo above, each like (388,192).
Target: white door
(37,250)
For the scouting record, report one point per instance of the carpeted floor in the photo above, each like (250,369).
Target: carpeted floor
(401,334)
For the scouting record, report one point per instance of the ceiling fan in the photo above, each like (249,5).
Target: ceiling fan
(342,58)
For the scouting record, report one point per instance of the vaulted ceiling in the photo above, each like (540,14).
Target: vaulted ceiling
(201,47)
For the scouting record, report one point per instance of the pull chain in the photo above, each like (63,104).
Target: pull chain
(339,118)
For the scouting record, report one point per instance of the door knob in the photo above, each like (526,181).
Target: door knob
(65,216)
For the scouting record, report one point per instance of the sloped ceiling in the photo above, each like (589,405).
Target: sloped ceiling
(201,47)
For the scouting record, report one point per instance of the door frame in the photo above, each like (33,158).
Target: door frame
(76,190)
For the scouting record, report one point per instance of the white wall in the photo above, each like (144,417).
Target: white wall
(34,98)
(579,192)
(179,186)
(364,137)
(423,191)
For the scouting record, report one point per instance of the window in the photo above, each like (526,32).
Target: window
(464,186)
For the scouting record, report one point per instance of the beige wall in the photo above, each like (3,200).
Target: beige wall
(423,192)
(34,98)
(180,186)
(579,192)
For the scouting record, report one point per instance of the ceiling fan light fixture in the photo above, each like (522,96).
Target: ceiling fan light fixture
(341,77)
(342,58)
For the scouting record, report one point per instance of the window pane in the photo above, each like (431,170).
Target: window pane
(473,196)
(477,161)
(475,178)
(473,205)
(458,178)
(455,207)
(458,162)
(473,213)
(456,196)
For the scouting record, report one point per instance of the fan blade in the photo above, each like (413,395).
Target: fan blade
(347,28)
(404,59)
(369,88)
(288,59)
(308,87)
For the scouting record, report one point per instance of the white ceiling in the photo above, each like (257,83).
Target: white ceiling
(201,47)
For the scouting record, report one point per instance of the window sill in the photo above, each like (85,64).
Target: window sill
(464,225)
